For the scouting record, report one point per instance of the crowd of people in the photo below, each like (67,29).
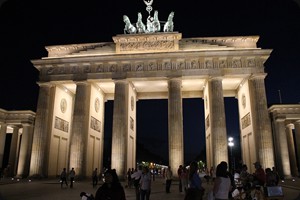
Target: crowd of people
(239,184)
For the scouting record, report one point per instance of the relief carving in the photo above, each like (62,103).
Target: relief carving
(152,66)
(236,63)
(100,68)
(50,70)
(180,65)
(194,64)
(209,64)
(73,69)
(113,68)
(251,62)
(222,63)
(126,67)
(246,121)
(167,66)
(87,69)
(139,67)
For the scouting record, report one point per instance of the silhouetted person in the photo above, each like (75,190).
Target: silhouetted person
(169,175)
(72,176)
(63,178)
(95,177)
(136,176)
(112,188)
(179,171)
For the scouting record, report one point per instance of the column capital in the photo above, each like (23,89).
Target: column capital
(27,125)
(125,81)
(290,126)
(82,82)
(213,78)
(46,84)
(297,122)
(280,118)
(258,76)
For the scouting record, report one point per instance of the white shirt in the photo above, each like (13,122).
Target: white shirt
(222,187)
(136,175)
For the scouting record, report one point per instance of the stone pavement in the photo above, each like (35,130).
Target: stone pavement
(49,189)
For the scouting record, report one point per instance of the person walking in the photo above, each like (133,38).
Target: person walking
(179,171)
(136,177)
(95,177)
(112,188)
(72,176)
(169,175)
(63,178)
(145,184)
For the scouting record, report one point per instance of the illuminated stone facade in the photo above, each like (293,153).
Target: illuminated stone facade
(76,80)
(286,133)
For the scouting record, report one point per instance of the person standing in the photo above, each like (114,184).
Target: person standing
(259,175)
(222,184)
(195,190)
(145,184)
(212,174)
(63,178)
(72,176)
(95,177)
(184,179)
(112,188)
(129,178)
(136,177)
(179,171)
(169,175)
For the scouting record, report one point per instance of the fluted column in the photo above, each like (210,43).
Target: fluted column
(120,127)
(175,124)
(2,141)
(291,149)
(282,153)
(79,135)
(25,151)
(13,152)
(297,136)
(218,121)
(261,121)
(40,144)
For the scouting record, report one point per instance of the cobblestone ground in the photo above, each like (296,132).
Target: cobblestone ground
(49,189)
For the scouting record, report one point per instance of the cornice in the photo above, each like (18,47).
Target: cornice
(17,117)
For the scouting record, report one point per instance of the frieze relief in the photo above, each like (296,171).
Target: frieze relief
(146,46)
(153,65)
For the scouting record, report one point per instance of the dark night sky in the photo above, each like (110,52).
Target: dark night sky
(27,26)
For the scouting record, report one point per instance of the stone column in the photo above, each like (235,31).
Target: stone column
(261,121)
(79,135)
(25,151)
(282,153)
(13,152)
(40,144)
(2,141)
(297,137)
(175,124)
(120,127)
(291,149)
(218,121)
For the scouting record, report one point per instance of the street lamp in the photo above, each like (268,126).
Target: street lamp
(231,144)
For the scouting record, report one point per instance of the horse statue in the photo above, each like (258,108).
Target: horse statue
(129,28)
(156,23)
(141,28)
(169,25)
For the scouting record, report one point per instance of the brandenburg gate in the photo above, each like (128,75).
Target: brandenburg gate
(76,80)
